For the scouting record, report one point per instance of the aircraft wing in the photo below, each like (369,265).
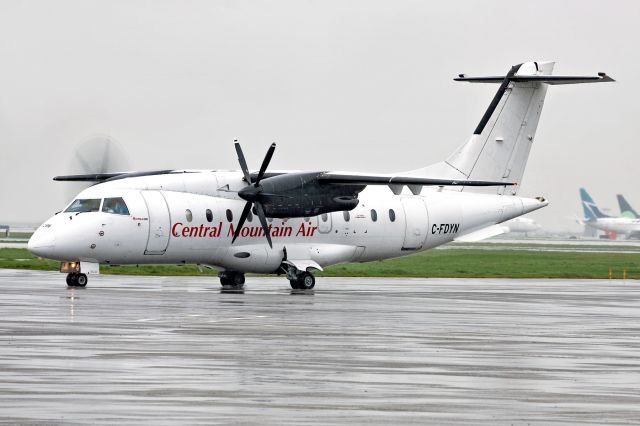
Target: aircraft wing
(101,177)
(357,179)
(96,177)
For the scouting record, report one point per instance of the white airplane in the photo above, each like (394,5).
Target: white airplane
(521,225)
(295,223)
(593,217)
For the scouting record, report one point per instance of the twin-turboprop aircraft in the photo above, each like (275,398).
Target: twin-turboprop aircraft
(295,223)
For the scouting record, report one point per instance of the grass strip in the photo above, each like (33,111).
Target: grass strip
(459,263)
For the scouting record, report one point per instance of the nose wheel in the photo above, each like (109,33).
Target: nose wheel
(75,279)
(231,279)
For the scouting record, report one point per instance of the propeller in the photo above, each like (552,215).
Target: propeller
(253,192)
(95,155)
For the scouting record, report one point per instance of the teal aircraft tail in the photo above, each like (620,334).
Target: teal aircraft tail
(625,208)
(591,211)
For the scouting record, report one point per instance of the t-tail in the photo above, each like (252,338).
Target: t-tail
(499,147)
(625,208)
(591,211)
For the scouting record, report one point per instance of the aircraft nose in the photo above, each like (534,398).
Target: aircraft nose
(42,242)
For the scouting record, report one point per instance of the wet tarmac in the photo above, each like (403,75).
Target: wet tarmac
(353,351)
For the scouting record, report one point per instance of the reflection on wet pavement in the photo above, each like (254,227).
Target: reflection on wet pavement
(380,351)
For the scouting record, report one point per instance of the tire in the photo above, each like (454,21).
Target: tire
(235,280)
(71,280)
(306,281)
(238,279)
(294,284)
(81,280)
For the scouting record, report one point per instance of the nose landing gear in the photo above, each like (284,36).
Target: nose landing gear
(75,279)
(231,279)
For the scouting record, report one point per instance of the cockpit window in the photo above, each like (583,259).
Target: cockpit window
(84,206)
(115,205)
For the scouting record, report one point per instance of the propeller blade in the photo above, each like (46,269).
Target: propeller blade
(263,221)
(105,157)
(243,163)
(86,167)
(265,163)
(243,217)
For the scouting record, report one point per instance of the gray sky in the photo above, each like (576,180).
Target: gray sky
(348,85)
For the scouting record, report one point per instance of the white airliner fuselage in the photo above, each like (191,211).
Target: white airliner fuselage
(522,225)
(168,223)
(619,225)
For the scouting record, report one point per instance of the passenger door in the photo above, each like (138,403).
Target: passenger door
(416,222)
(159,222)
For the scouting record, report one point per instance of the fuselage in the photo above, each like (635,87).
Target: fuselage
(189,217)
(522,224)
(620,225)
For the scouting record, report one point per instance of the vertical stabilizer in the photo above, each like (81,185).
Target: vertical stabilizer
(502,139)
(625,208)
(591,211)
(499,147)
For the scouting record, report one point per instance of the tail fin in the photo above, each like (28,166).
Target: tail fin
(591,211)
(625,208)
(499,147)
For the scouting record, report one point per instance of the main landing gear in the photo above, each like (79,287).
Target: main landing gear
(301,280)
(75,279)
(231,279)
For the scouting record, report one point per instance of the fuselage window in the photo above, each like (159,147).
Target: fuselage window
(392,215)
(324,217)
(229,215)
(374,215)
(346,215)
(209,215)
(115,205)
(84,206)
(189,215)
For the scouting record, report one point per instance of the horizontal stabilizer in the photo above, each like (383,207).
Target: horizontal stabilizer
(483,234)
(549,79)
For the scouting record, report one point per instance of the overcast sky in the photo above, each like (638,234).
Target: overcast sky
(347,85)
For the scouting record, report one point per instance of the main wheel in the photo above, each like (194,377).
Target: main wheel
(294,284)
(306,281)
(81,280)
(71,282)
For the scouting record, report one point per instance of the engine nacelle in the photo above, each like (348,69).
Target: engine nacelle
(302,195)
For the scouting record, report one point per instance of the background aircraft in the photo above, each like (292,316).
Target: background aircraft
(625,208)
(594,218)
(521,225)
